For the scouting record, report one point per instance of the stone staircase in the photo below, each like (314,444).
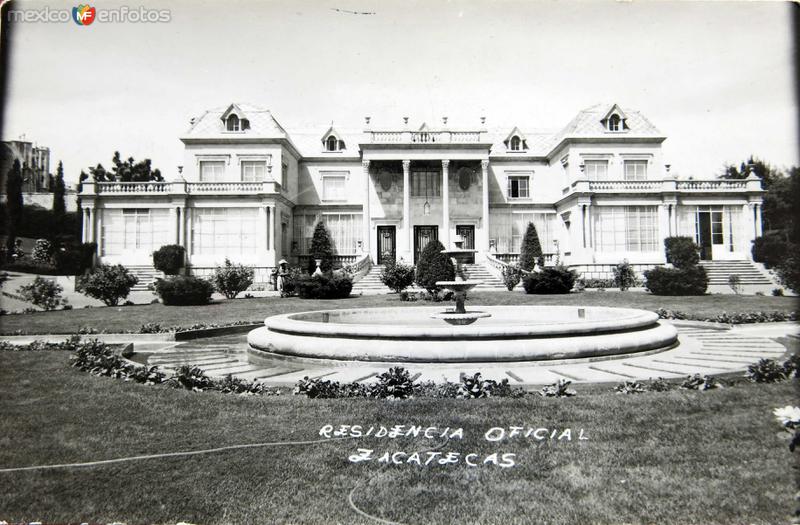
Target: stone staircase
(146,276)
(371,283)
(749,274)
(479,272)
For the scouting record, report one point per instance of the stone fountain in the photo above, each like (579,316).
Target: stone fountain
(460,286)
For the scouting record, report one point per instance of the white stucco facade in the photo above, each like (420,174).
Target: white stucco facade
(599,191)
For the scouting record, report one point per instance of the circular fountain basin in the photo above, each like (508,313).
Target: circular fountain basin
(512,333)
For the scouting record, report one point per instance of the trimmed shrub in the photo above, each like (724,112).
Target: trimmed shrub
(321,248)
(766,371)
(184,290)
(530,254)
(676,281)
(231,279)
(44,293)
(624,276)
(169,259)
(789,269)
(512,275)
(325,286)
(75,259)
(42,252)
(107,283)
(769,250)
(682,252)
(433,266)
(397,276)
(550,281)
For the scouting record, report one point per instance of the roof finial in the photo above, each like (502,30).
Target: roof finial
(483,120)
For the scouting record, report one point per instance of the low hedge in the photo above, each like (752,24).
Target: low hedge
(676,281)
(183,290)
(555,280)
(325,286)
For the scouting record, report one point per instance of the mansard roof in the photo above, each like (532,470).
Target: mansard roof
(211,125)
(588,123)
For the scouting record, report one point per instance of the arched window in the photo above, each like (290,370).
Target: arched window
(332,143)
(613,123)
(233,123)
(515,143)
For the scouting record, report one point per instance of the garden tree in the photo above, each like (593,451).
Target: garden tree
(530,253)
(321,248)
(59,207)
(13,204)
(107,283)
(169,259)
(231,279)
(752,166)
(132,171)
(777,209)
(433,266)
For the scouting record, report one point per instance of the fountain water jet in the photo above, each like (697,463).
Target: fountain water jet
(460,286)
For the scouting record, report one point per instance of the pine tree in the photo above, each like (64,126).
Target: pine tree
(14,204)
(321,248)
(433,266)
(531,252)
(59,207)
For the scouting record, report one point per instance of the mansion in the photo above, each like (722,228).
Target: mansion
(598,191)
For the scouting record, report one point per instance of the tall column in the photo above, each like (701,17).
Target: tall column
(366,216)
(174,226)
(99,232)
(485,206)
(759,229)
(269,228)
(446,202)
(90,225)
(409,243)
(187,218)
(262,227)
(588,226)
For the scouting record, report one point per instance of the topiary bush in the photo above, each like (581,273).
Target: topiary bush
(397,276)
(231,279)
(321,248)
(624,276)
(169,259)
(512,275)
(676,281)
(75,259)
(109,284)
(44,293)
(530,254)
(550,281)
(325,286)
(433,266)
(769,250)
(184,290)
(682,252)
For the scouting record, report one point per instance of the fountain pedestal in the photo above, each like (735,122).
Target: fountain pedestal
(460,286)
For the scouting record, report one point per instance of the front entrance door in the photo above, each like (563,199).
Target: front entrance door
(704,234)
(422,236)
(387,247)
(467,233)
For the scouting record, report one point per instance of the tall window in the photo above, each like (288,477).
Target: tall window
(212,170)
(134,229)
(518,186)
(344,229)
(508,229)
(613,123)
(635,170)
(596,169)
(284,175)
(233,123)
(333,188)
(253,170)
(516,143)
(426,184)
(224,231)
(625,228)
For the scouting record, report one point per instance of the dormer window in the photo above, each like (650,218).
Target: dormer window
(233,123)
(332,144)
(516,143)
(614,123)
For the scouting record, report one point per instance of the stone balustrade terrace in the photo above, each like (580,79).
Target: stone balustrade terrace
(180,187)
(660,186)
(427,137)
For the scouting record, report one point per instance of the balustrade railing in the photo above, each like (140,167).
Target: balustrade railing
(625,185)
(339,261)
(133,187)
(224,187)
(360,267)
(712,184)
(425,137)
(153,187)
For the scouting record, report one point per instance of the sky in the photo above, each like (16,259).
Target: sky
(715,78)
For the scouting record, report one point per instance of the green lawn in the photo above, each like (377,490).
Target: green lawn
(124,318)
(676,457)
